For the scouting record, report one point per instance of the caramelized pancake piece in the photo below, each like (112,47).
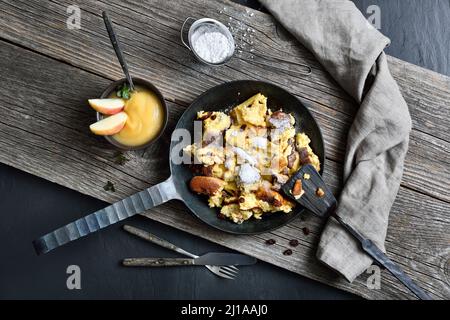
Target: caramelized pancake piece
(206,185)
(253,111)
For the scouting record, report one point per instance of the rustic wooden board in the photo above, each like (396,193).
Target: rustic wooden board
(44,123)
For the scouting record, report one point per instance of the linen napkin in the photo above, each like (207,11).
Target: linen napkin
(351,50)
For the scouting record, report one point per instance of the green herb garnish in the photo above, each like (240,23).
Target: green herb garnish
(109,186)
(124,91)
(120,158)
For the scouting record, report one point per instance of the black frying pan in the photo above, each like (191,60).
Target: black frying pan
(219,98)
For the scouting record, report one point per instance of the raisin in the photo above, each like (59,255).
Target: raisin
(280,115)
(287,252)
(304,156)
(196,168)
(291,159)
(208,141)
(293,243)
(270,241)
(305,231)
(207,171)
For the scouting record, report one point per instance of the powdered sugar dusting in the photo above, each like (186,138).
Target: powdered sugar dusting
(229,163)
(244,155)
(280,124)
(248,174)
(260,142)
(210,44)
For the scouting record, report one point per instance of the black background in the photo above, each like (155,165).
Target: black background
(30,206)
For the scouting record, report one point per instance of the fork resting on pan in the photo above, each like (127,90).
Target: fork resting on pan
(227,272)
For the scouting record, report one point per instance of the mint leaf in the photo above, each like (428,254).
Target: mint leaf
(124,91)
(109,186)
(120,158)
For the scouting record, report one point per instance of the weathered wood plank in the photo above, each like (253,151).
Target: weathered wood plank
(150,35)
(44,113)
(161,18)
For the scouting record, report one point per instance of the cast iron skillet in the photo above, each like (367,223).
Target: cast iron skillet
(220,98)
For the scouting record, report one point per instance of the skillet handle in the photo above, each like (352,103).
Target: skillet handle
(134,204)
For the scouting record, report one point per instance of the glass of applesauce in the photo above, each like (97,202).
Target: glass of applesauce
(147,115)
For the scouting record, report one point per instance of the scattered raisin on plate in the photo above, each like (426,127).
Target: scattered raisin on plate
(221,216)
(109,186)
(270,241)
(293,243)
(287,252)
(305,231)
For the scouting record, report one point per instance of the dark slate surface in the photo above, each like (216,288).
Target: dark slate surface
(420,34)
(419,29)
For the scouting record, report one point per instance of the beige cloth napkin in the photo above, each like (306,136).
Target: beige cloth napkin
(351,50)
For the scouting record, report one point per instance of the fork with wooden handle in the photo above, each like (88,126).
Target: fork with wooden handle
(227,272)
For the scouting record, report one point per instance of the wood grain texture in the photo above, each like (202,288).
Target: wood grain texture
(150,36)
(44,127)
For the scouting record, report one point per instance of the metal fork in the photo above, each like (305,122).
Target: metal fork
(227,272)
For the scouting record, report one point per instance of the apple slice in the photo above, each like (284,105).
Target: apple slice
(110,125)
(107,106)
